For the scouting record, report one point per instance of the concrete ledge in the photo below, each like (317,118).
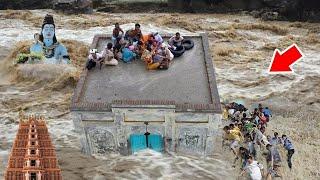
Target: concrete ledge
(191,118)
(98,120)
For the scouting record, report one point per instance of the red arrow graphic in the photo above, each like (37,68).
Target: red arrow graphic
(281,62)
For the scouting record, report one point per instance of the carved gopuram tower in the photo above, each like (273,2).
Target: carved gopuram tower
(33,156)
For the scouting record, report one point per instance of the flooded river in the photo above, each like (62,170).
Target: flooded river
(241,47)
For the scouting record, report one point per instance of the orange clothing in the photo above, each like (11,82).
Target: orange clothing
(145,38)
(153,66)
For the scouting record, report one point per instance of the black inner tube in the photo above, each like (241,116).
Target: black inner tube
(188,44)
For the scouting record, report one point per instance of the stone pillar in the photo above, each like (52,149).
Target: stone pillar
(120,134)
(77,117)
(27,176)
(28,163)
(168,138)
(39,176)
(37,163)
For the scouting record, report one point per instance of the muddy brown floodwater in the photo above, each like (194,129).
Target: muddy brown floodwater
(241,47)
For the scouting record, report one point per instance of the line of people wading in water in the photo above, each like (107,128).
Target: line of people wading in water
(133,45)
(246,137)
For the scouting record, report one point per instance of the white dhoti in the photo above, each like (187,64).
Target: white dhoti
(112,62)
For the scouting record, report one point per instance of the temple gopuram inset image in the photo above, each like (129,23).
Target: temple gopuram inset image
(33,155)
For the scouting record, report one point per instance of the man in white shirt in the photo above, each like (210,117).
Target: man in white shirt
(176,41)
(108,55)
(253,168)
(93,58)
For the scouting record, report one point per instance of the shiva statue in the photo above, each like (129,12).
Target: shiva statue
(46,44)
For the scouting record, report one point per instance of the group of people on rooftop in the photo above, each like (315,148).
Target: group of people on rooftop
(246,137)
(132,44)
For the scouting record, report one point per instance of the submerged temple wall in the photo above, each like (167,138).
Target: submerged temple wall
(187,133)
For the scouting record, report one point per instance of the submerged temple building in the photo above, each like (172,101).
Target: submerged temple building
(126,108)
(33,156)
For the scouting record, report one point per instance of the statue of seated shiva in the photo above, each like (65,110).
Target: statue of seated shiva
(46,44)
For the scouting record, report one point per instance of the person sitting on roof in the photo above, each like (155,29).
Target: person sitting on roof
(158,38)
(93,58)
(128,55)
(147,57)
(176,41)
(135,34)
(108,56)
(139,48)
(116,36)
(164,52)
(117,52)
(146,38)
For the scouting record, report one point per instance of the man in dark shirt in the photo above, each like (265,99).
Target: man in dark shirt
(273,161)
(134,35)
(116,33)
(289,147)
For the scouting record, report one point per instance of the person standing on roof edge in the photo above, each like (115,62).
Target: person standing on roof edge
(116,36)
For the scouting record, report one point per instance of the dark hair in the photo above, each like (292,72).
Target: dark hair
(117,47)
(140,43)
(283,135)
(250,157)
(244,115)
(137,25)
(116,24)
(48,19)
(226,128)
(231,125)
(276,134)
(109,45)
(177,34)
(268,145)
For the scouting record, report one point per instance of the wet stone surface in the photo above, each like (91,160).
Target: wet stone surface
(186,81)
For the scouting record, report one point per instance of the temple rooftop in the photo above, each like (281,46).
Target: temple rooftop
(188,85)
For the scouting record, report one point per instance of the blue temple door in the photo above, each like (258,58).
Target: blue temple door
(155,142)
(137,142)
